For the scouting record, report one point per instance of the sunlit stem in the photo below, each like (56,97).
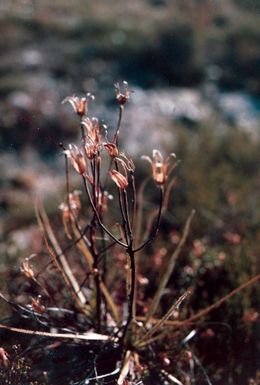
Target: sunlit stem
(116,136)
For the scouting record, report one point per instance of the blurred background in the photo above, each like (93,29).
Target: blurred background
(194,66)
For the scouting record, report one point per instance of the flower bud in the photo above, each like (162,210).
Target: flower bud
(121,97)
(77,159)
(111,149)
(26,269)
(79,104)
(119,179)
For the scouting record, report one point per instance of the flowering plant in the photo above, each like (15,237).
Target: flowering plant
(88,289)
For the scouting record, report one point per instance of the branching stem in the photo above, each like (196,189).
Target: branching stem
(98,217)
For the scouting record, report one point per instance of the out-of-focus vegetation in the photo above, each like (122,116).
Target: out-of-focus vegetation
(219,177)
(150,42)
(51,49)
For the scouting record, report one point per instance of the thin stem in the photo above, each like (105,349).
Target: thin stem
(98,294)
(83,135)
(65,268)
(104,274)
(123,214)
(83,235)
(156,228)
(67,180)
(127,217)
(106,248)
(131,253)
(131,295)
(196,317)
(115,141)
(99,189)
(170,265)
(89,336)
(93,243)
(204,312)
(122,209)
(93,169)
(89,259)
(121,109)
(133,200)
(99,219)
(139,214)
(96,272)
(168,314)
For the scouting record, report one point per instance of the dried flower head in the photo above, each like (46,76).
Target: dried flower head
(64,208)
(160,166)
(91,150)
(26,268)
(93,129)
(37,305)
(70,211)
(77,159)
(122,97)
(73,208)
(111,149)
(119,179)
(67,218)
(126,162)
(79,104)
(75,203)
